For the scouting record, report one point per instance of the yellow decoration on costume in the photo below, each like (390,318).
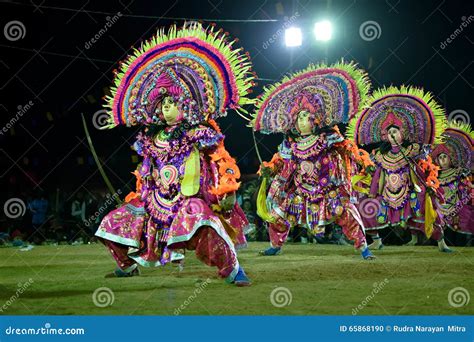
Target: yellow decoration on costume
(366,180)
(192,172)
(230,230)
(430,216)
(262,209)
(414,180)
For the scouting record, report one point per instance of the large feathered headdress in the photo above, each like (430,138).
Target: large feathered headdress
(458,145)
(333,94)
(420,118)
(198,67)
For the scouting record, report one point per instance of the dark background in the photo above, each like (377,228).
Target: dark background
(51,66)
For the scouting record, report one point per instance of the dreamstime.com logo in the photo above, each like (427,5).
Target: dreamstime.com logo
(466,21)
(14,30)
(280,297)
(21,110)
(370,30)
(377,287)
(459,116)
(200,287)
(46,330)
(21,288)
(100,119)
(458,297)
(110,200)
(103,297)
(266,44)
(110,21)
(14,208)
(369,207)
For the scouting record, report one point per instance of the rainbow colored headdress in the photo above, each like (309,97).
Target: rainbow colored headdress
(458,145)
(334,93)
(411,109)
(198,67)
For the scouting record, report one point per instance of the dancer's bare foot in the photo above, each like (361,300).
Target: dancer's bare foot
(443,247)
(377,244)
(413,241)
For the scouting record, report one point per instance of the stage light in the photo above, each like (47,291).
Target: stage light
(293,36)
(323,30)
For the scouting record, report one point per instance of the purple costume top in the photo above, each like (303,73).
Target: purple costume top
(457,210)
(393,184)
(311,188)
(160,217)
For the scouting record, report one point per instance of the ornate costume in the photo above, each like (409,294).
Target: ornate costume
(311,173)
(455,159)
(404,122)
(174,86)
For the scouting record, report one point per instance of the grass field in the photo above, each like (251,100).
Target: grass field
(320,279)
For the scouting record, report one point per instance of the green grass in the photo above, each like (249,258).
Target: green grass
(322,279)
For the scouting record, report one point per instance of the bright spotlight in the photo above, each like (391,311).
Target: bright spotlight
(323,30)
(293,36)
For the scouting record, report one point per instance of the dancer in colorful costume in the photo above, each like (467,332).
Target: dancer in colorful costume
(455,159)
(404,122)
(174,86)
(311,173)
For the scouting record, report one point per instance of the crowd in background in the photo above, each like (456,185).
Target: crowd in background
(56,219)
(59,218)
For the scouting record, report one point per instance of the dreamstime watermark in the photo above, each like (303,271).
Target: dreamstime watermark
(46,330)
(458,206)
(266,44)
(465,23)
(280,297)
(20,112)
(110,22)
(103,297)
(14,30)
(110,199)
(200,288)
(21,288)
(100,119)
(370,30)
(369,207)
(458,296)
(14,208)
(377,288)
(459,116)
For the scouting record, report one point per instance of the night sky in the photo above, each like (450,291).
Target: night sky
(52,72)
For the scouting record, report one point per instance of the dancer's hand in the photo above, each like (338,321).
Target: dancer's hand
(265,171)
(370,169)
(228,202)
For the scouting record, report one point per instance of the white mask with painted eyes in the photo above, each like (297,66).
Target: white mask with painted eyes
(170,110)
(303,123)
(394,136)
(444,161)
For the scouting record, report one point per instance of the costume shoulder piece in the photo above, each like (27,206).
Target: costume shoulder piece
(206,137)
(309,146)
(413,110)
(284,149)
(198,67)
(458,145)
(334,93)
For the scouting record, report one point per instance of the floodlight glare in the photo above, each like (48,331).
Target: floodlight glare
(293,36)
(323,30)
